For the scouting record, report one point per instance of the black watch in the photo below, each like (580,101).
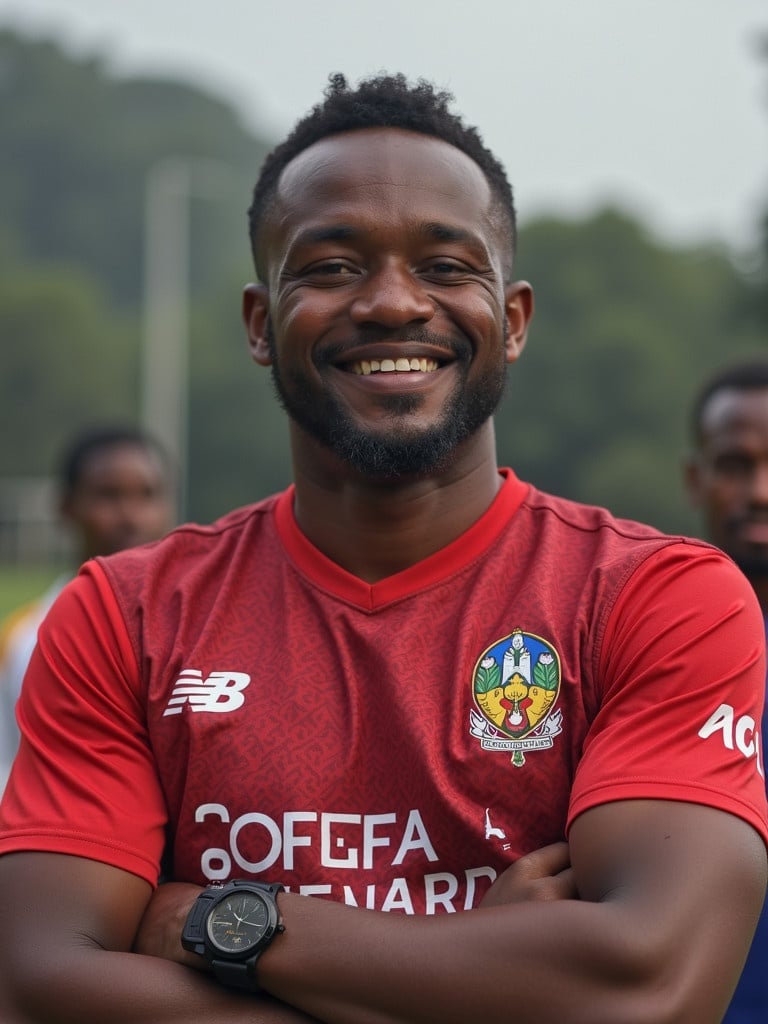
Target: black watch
(231,925)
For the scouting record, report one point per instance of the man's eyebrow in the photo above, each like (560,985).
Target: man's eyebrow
(329,233)
(448,233)
(434,230)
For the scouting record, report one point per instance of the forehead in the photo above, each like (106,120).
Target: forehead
(118,464)
(386,174)
(736,411)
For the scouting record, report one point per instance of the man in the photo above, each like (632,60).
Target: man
(307,693)
(727,478)
(114,493)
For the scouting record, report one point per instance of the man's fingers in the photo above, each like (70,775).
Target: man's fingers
(549,860)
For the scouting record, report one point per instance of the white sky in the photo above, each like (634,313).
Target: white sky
(660,105)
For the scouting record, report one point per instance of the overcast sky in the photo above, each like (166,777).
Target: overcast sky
(660,105)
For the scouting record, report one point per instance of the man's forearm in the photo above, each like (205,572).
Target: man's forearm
(553,962)
(127,988)
(644,944)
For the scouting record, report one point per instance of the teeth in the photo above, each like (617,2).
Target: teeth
(401,365)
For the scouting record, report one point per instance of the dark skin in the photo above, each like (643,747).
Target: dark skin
(727,478)
(376,235)
(121,498)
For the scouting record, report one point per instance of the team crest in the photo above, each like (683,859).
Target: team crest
(515,685)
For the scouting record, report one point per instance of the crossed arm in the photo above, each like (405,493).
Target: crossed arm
(669,895)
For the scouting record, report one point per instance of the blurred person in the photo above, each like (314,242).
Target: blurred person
(413,740)
(727,480)
(114,493)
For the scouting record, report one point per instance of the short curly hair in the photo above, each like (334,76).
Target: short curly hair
(750,375)
(383,101)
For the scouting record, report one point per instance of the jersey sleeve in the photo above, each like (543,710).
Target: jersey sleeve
(682,671)
(84,781)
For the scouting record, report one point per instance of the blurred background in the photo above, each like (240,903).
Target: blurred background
(634,133)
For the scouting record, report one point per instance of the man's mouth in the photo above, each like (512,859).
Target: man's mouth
(754,531)
(364,367)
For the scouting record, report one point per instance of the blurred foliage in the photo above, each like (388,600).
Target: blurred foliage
(77,144)
(624,332)
(67,357)
(625,327)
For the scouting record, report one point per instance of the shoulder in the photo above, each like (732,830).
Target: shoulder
(17,623)
(19,628)
(189,564)
(594,539)
(586,519)
(192,542)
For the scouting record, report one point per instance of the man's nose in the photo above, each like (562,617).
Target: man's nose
(758,491)
(392,297)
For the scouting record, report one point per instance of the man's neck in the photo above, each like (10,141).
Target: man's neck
(375,529)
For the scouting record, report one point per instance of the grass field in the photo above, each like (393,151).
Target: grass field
(19,584)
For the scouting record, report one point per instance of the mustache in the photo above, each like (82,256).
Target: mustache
(457,345)
(755,515)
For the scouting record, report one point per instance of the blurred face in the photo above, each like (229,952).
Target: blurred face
(121,499)
(728,479)
(385,316)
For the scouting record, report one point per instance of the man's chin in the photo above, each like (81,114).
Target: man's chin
(388,458)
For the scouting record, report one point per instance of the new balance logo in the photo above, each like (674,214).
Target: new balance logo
(220,691)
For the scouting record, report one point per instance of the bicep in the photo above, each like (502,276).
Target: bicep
(680,877)
(56,904)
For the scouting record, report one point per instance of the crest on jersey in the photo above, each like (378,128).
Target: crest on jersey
(515,685)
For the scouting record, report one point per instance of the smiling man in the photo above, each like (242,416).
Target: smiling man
(357,722)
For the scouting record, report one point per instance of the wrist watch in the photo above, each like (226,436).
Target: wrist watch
(230,926)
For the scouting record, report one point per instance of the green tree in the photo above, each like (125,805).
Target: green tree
(77,145)
(625,328)
(68,360)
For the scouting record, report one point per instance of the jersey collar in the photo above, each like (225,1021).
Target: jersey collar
(339,583)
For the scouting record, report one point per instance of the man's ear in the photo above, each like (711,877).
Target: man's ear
(256,320)
(518,306)
(692,478)
(65,507)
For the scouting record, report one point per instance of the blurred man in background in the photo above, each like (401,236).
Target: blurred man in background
(727,478)
(114,493)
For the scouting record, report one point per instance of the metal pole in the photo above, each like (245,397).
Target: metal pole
(165,369)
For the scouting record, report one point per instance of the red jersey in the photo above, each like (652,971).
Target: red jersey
(230,696)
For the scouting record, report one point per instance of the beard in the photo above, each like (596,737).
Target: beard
(751,558)
(394,450)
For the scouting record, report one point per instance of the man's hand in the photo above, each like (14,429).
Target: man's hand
(160,930)
(544,875)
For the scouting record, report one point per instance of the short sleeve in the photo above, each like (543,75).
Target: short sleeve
(682,673)
(84,781)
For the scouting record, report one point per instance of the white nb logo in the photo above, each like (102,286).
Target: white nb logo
(219,692)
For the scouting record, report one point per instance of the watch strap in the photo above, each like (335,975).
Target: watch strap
(193,934)
(236,975)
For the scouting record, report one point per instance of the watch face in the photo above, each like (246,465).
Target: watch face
(239,922)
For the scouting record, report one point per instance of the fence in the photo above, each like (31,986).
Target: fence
(30,531)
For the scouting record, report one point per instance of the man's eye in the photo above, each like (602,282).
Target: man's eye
(330,269)
(446,267)
(733,465)
(450,270)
